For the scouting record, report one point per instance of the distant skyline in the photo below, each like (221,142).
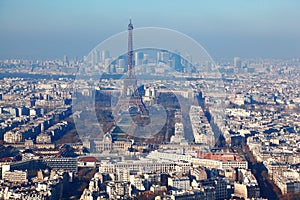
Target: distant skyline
(35,29)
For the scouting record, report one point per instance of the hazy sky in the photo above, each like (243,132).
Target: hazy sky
(39,29)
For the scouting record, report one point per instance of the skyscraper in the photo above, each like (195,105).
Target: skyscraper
(104,55)
(138,58)
(66,60)
(237,63)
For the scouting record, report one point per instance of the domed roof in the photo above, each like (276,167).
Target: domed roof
(107,137)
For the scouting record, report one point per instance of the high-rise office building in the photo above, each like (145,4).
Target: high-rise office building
(138,58)
(237,63)
(104,55)
(95,57)
(66,60)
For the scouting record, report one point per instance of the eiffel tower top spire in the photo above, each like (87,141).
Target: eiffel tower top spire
(130,26)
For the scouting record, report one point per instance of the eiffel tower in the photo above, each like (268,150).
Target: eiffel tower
(130,82)
(130,100)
